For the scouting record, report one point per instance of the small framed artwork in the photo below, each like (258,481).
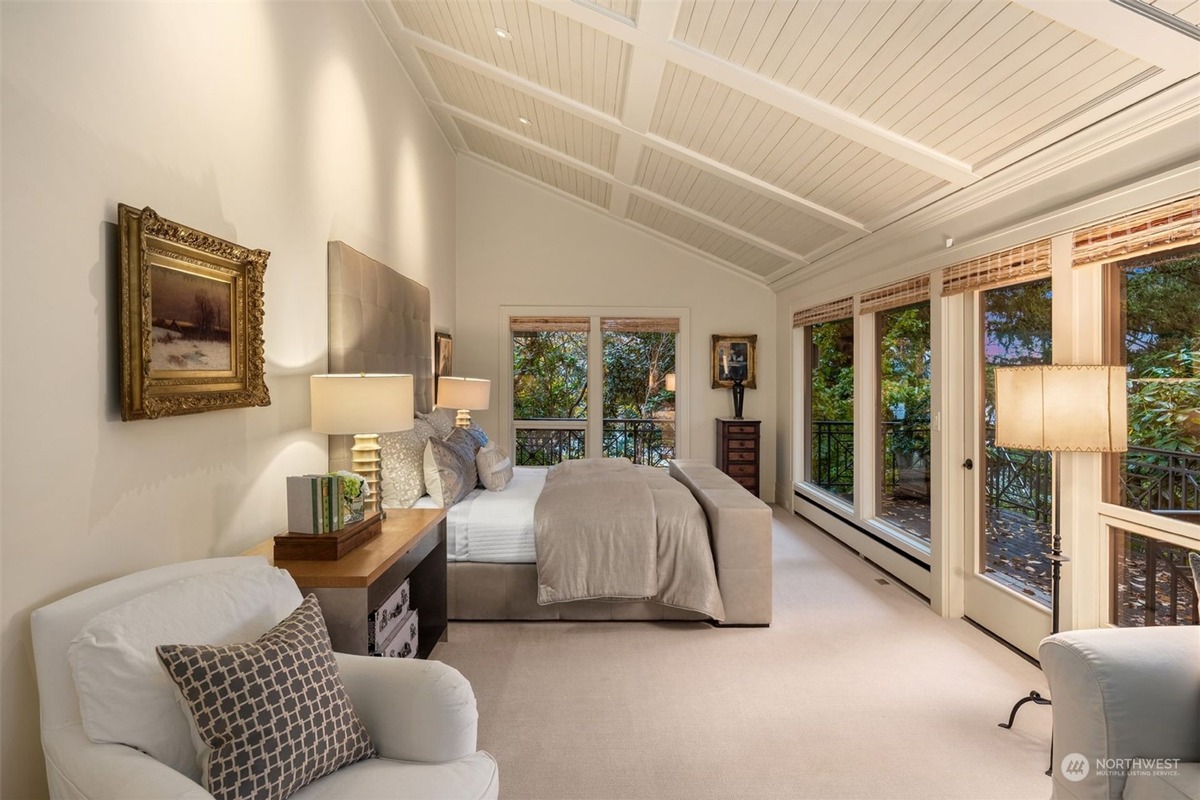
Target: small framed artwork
(732,359)
(191,311)
(443,358)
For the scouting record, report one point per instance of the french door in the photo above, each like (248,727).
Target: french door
(1008,494)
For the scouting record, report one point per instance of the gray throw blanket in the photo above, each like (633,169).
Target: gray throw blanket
(608,530)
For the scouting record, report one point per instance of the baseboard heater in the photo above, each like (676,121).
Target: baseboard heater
(872,536)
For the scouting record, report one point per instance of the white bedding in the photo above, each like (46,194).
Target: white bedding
(494,527)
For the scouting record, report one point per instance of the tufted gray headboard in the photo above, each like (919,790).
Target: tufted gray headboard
(379,321)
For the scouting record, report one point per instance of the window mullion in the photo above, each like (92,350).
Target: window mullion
(594,444)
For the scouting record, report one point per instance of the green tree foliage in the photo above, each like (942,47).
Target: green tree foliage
(1162,350)
(904,364)
(832,371)
(550,375)
(635,367)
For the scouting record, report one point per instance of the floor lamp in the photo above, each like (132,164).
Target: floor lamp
(1060,408)
(351,404)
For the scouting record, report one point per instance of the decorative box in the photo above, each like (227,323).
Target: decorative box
(385,620)
(403,641)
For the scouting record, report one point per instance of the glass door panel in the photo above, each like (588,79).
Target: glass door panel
(1017,498)
(904,402)
(550,388)
(639,395)
(831,407)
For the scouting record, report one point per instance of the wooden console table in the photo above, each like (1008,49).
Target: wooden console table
(412,545)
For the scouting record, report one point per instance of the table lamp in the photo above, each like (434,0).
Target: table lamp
(464,394)
(351,404)
(1060,408)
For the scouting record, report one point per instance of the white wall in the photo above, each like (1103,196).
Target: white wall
(278,126)
(522,245)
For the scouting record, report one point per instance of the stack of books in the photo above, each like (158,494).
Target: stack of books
(315,503)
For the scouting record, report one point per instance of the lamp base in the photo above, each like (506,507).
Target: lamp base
(463,420)
(364,461)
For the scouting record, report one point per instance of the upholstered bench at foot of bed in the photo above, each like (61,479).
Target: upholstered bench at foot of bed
(740,526)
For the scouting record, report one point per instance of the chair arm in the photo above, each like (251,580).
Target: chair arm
(1121,693)
(413,710)
(77,768)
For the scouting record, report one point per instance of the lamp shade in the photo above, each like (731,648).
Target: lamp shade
(469,393)
(669,382)
(1062,408)
(351,404)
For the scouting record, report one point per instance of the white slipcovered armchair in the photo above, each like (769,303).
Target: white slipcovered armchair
(420,715)
(1126,713)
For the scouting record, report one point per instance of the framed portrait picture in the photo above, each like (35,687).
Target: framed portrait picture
(191,310)
(443,358)
(733,357)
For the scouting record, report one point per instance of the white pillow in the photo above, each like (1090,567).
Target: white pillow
(125,697)
(495,467)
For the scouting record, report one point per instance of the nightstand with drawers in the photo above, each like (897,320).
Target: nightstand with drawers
(738,450)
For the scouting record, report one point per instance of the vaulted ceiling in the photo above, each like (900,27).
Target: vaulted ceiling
(767,134)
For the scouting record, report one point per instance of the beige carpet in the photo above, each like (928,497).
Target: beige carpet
(857,690)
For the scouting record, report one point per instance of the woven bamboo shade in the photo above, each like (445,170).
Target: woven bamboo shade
(903,293)
(838,309)
(640,324)
(1162,228)
(543,324)
(1020,264)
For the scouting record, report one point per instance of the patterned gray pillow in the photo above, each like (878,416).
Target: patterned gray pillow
(477,433)
(495,467)
(273,712)
(403,456)
(450,472)
(442,420)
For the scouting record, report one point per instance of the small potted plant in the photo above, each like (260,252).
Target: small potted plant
(354,494)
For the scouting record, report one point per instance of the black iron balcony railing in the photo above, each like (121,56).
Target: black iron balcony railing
(1161,480)
(642,441)
(546,442)
(832,457)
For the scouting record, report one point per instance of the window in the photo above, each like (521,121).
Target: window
(904,404)
(550,389)
(831,406)
(1017,496)
(1152,582)
(639,389)
(1159,330)
(556,388)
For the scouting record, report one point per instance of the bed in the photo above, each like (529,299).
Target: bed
(380,321)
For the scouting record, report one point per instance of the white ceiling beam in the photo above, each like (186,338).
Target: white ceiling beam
(1125,30)
(627,188)
(627,136)
(755,184)
(783,97)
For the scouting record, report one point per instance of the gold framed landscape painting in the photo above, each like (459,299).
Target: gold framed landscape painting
(733,357)
(191,310)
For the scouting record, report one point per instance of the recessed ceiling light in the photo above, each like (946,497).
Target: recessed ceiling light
(525,120)
(503,34)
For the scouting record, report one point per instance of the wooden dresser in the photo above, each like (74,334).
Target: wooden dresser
(739,450)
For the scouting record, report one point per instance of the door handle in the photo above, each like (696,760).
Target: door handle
(969,464)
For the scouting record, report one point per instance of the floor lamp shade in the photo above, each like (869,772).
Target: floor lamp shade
(1061,408)
(361,403)
(464,394)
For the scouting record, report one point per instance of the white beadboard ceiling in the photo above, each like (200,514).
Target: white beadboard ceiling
(765,134)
